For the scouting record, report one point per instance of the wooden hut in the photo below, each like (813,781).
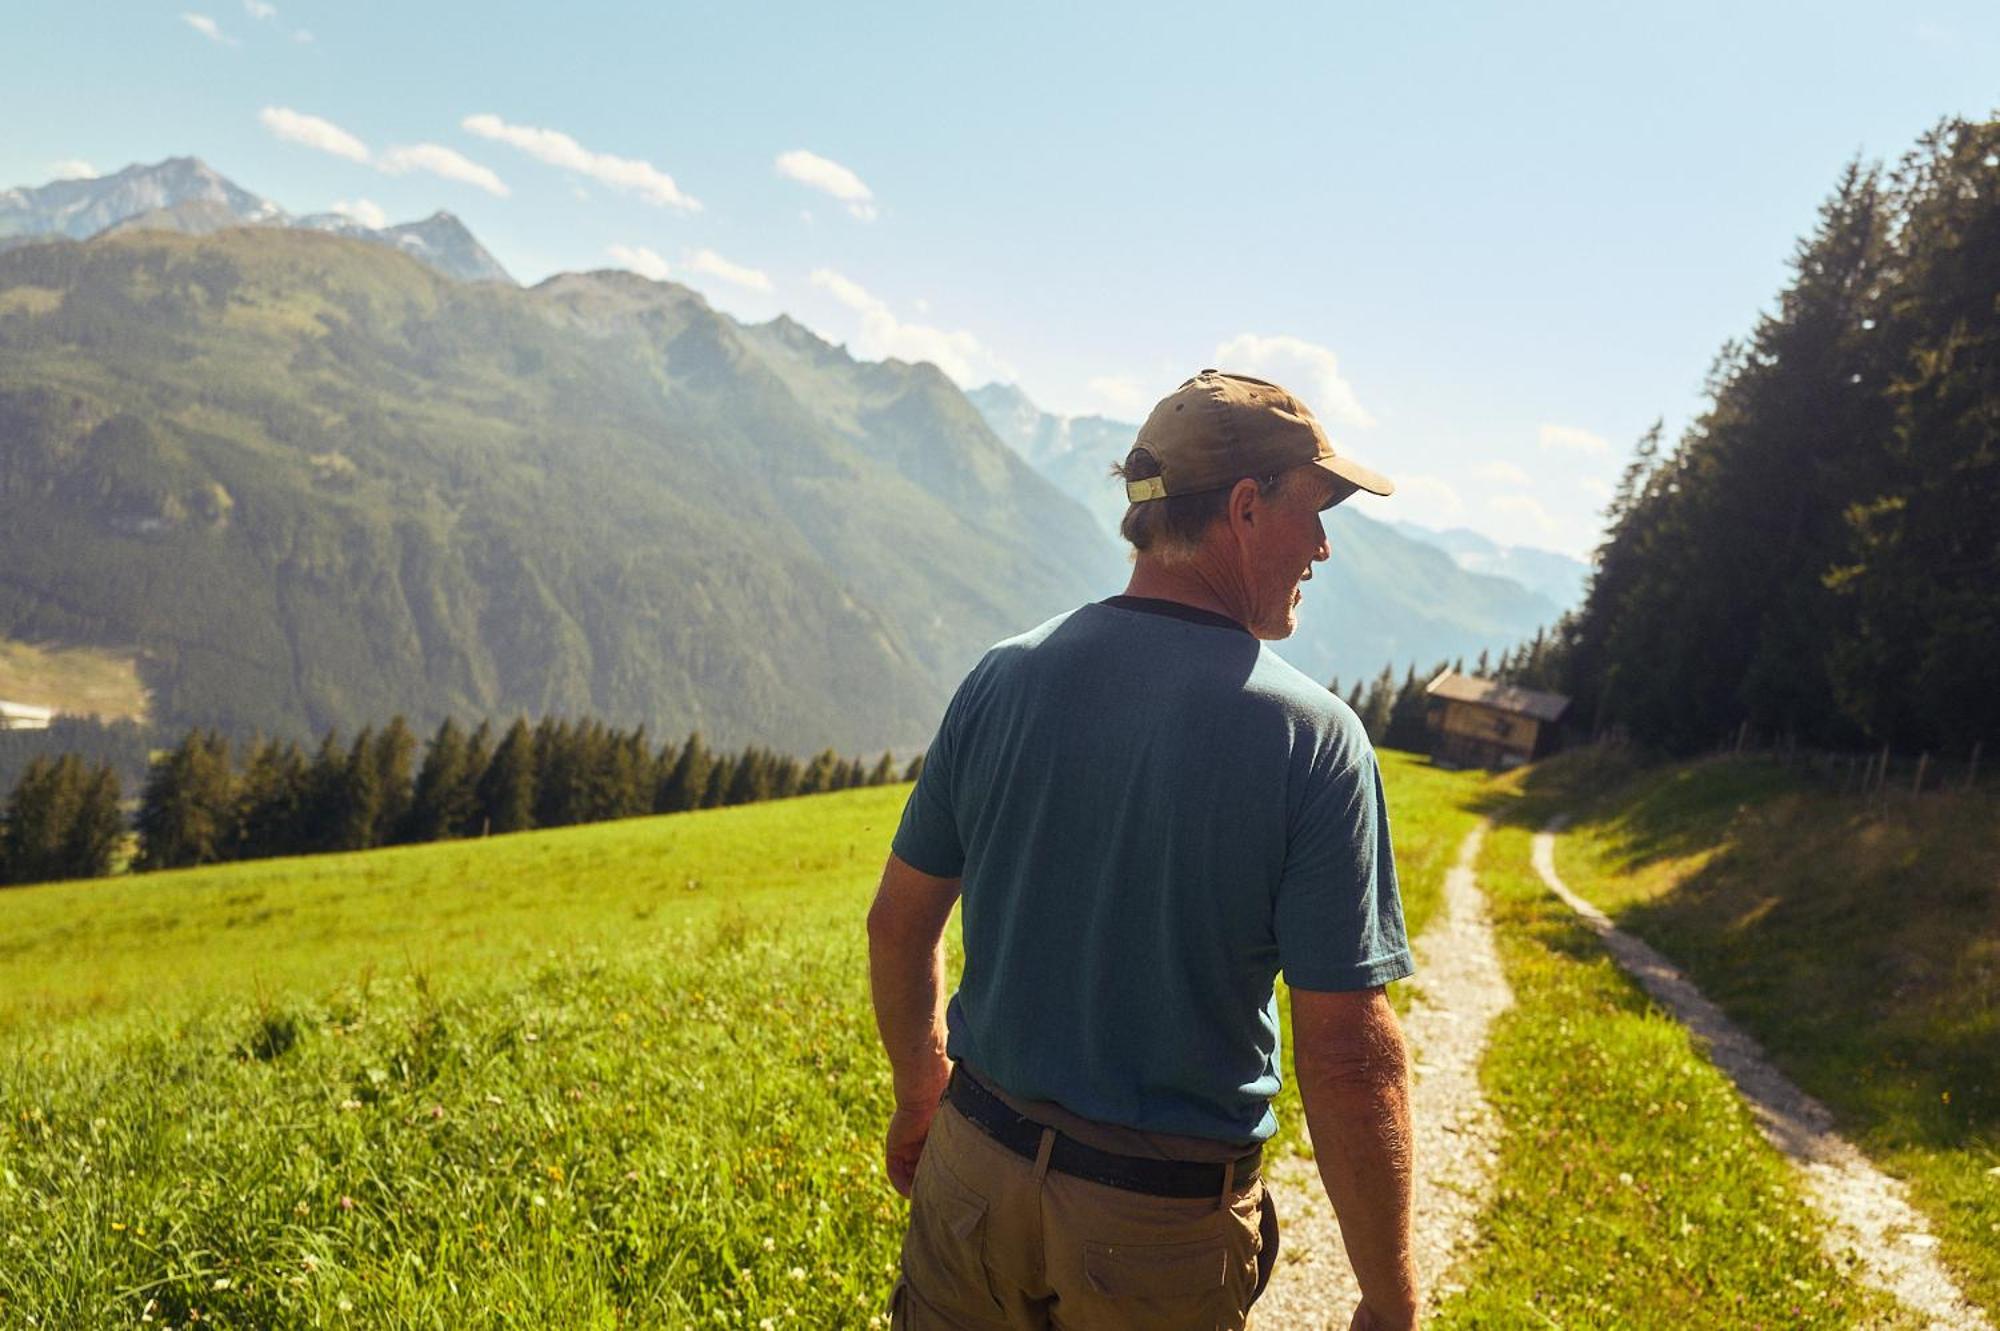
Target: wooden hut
(1479,723)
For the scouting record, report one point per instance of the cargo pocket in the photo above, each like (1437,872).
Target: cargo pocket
(1156,1270)
(944,1253)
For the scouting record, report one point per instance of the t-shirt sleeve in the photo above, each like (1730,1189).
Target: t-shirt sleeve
(1339,912)
(928,838)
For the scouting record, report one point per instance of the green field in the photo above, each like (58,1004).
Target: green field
(623,1074)
(626,1075)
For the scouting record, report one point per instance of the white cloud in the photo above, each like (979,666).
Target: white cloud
(1573,439)
(313,132)
(258,9)
(208,28)
(559,149)
(1594,487)
(441,161)
(302,36)
(955,351)
(713,264)
(1427,500)
(1307,369)
(1529,510)
(364,211)
(1504,473)
(640,260)
(1120,395)
(828,177)
(74,168)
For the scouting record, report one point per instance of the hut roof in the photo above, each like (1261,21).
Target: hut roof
(1500,697)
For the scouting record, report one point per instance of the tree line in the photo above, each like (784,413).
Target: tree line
(206,801)
(1818,557)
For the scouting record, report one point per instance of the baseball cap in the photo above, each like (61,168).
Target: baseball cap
(1218,428)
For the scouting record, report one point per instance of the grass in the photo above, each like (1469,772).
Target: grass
(618,1075)
(1859,942)
(1632,1187)
(78,681)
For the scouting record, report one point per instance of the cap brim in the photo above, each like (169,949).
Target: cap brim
(1374,482)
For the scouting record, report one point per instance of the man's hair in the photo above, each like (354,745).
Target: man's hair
(1171,529)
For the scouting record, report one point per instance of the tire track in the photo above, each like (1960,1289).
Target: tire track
(1459,990)
(1868,1213)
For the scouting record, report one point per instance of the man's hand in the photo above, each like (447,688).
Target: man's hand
(1366,1319)
(906,972)
(909,1129)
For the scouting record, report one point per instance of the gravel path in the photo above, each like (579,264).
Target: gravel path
(1867,1211)
(1459,989)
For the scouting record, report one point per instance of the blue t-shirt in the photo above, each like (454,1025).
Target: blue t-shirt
(1153,816)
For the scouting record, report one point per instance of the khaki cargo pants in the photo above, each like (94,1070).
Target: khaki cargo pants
(1000,1243)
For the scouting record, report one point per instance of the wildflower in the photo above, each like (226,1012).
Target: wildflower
(222,1282)
(769,1243)
(437,1111)
(346,1202)
(798,1274)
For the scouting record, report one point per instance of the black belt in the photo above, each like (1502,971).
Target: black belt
(1158,1178)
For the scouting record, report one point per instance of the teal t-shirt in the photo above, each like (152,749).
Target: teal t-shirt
(1153,815)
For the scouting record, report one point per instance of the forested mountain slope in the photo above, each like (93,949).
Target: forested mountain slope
(315,483)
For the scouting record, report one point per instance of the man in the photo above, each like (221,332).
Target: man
(1149,816)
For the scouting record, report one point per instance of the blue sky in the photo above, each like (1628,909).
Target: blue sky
(1488,244)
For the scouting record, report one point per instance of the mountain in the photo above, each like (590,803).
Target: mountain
(1556,576)
(440,240)
(1383,597)
(186,195)
(313,482)
(80,209)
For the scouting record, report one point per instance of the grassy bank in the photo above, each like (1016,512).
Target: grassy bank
(1859,942)
(1632,1188)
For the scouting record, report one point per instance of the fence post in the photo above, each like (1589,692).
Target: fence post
(1972,768)
(1742,730)
(1917,786)
(1882,771)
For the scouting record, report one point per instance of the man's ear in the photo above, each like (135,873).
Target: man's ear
(1243,502)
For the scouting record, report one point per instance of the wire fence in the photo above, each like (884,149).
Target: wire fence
(1876,774)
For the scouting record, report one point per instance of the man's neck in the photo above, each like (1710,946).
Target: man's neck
(1191,583)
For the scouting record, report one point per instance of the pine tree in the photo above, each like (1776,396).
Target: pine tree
(915,769)
(39,812)
(687,784)
(393,751)
(271,802)
(1376,710)
(721,775)
(187,814)
(97,827)
(884,771)
(507,788)
(445,791)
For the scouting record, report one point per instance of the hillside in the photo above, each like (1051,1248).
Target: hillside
(311,483)
(1857,939)
(1383,598)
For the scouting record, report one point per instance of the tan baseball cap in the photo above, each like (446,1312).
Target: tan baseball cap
(1218,428)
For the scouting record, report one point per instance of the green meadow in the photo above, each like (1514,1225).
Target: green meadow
(626,1075)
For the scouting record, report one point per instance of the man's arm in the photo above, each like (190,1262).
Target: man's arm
(906,973)
(1354,1077)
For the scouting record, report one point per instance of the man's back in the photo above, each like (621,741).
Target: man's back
(1152,815)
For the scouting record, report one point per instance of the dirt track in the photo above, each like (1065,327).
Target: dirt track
(1459,990)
